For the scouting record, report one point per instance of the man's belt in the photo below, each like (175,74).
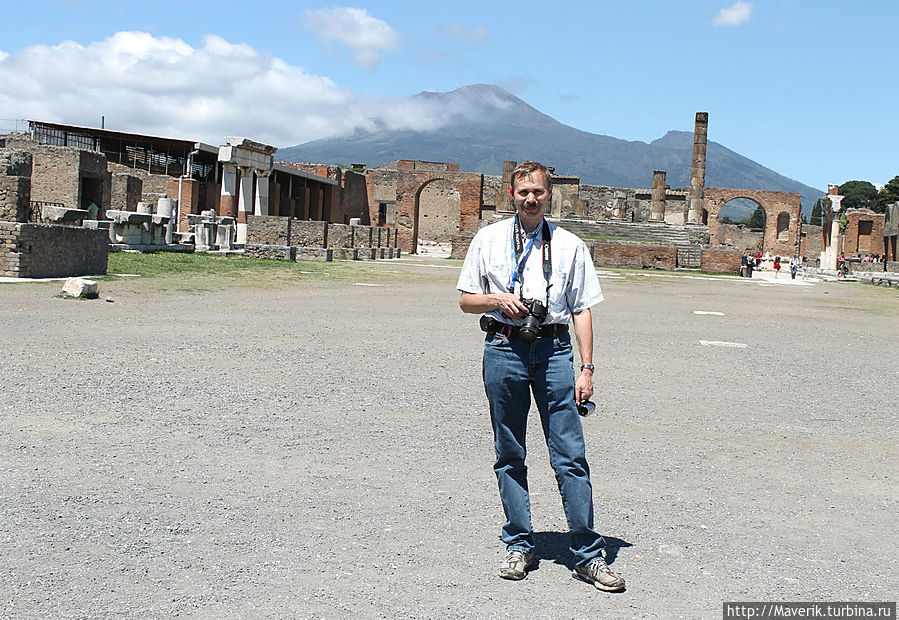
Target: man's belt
(492,326)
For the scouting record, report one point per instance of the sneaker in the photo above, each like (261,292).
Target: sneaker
(515,565)
(600,575)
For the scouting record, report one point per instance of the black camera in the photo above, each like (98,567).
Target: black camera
(530,329)
(585,408)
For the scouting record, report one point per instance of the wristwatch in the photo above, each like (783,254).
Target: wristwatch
(587,367)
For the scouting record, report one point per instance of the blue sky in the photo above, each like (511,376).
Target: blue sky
(808,89)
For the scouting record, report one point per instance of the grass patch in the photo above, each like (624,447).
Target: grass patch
(200,271)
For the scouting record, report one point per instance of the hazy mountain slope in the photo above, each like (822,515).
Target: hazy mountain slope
(486,125)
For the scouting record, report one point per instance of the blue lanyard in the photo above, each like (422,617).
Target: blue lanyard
(524,255)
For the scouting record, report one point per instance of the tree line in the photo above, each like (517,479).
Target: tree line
(861,195)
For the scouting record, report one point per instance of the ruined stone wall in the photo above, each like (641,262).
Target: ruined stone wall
(720,260)
(633,255)
(309,234)
(45,251)
(126,192)
(15,185)
(864,233)
(493,199)
(321,170)
(565,197)
(268,230)
(608,203)
(54,176)
(439,207)
(739,236)
(811,242)
(150,183)
(353,200)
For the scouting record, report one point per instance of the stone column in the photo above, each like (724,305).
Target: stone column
(831,252)
(261,203)
(228,203)
(244,202)
(697,176)
(657,211)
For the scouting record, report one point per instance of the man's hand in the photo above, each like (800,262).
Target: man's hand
(507,303)
(510,305)
(583,387)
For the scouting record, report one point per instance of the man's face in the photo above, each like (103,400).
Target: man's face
(531,196)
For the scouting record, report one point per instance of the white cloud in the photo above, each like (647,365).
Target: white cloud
(734,15)
(366,36)
(478,34)
(163,86)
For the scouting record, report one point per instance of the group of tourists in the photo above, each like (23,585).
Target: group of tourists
(749,262)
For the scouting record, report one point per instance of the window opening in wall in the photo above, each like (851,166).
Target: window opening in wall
(783,226)
(382,213)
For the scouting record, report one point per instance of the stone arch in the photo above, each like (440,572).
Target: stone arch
(783,243)
(411,181)
(744,238)
(437,209)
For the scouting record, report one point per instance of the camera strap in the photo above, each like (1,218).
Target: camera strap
(522,252)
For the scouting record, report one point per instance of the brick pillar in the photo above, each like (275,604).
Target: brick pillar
(228,203)
(303,207)
(316,207)
(502,199)
(260,206)
(657,210)
(244,202)
(697,176)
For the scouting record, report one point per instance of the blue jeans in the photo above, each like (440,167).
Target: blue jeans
(512,370)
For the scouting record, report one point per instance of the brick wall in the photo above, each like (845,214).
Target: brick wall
(45,251)
(634,255)
(126,192)
(864,233)
(721,260)
(15,185)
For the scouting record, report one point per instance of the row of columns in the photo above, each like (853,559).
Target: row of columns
(238,198)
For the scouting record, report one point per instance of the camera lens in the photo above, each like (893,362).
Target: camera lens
(585,408)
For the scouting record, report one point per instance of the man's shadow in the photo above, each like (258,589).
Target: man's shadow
(553,546)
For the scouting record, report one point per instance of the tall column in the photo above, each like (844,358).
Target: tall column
(831,252)
(657,210)
(261,204)
(228,205)
(244,203)
(697,176)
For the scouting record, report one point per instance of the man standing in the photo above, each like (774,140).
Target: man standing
(514,269)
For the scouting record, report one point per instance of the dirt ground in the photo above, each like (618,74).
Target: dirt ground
(324,450)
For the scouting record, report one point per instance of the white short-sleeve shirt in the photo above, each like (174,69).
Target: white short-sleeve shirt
(490,264)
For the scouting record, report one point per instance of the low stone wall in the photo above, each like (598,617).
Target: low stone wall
(461,241)
(269,230)
(45,251)
(279,252)
(309,234)
(721,261)
(340,236)
(633,255)
(859,267)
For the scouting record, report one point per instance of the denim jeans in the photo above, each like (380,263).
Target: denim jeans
(512,370)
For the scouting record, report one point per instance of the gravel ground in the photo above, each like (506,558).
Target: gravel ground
(323,450)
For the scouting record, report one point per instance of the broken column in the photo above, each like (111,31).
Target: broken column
(697,175)
(253,159)
(657,209)
(228,202)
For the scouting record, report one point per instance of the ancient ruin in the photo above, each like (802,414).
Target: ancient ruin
(147,193)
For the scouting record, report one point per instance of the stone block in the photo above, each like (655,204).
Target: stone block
(80,287)
(62,215)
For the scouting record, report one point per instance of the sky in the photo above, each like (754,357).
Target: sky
(806,88)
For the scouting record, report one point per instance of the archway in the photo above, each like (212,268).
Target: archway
(437,208)
(741,223)
(777,207)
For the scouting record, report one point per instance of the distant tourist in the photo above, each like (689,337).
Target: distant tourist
(794,267)
(776,266)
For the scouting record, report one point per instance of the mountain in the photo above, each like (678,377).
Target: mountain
(483,125)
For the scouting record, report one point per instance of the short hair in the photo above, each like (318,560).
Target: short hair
(529,167)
